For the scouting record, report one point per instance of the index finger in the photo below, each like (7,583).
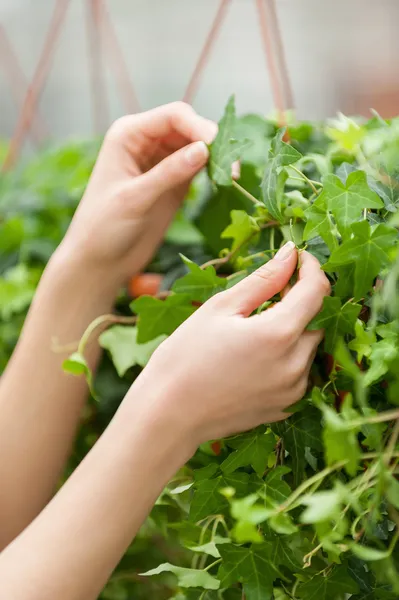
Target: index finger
(176,117)
(305,299)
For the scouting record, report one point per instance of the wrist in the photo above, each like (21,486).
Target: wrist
(151,404)
(68,273)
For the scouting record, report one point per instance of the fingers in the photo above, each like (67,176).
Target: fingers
(177,117)
(305,299)
(176,169)
(263,284)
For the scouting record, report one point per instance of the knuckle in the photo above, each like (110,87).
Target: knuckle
(296,372)
(285,334)
(179,106)
(118,130)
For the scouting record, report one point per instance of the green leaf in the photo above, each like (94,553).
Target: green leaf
(250,566)
(76,365)
(370,249)
(336,584)
(336,319)
(242,227)
(121,343)
(199,284)
(210,548)
(286,551)
(225,150)
(208,500)
(251,450)
(300,431)
(280,155)
(273,487)
(322,506)
(318,223)
(160,317)
(392,490)
(186,578)
(340,441)
(382,355)
(367,553)
(363,341)
(346,201)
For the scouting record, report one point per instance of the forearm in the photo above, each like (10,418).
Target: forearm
(40,406)
(71,548)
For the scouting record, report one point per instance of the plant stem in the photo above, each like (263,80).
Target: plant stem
(310,182)
(219,560)
(308,483)
(97,323)
(245,193)
(389,415)
(225,259)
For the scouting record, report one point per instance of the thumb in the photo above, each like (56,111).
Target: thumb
(174,170)
(247,295)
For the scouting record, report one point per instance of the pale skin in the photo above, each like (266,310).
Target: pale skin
(66,547)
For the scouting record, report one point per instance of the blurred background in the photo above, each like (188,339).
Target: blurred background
(340,55)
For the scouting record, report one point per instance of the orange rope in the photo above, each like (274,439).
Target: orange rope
(206,51)
(96,67)
(277,91)
(126,88)
(37,83)
(280,55)
(18,82)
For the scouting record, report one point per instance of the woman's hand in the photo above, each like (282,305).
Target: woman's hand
(142,174)
(224,371)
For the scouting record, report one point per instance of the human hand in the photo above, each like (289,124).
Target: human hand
(142,174)
(224,371)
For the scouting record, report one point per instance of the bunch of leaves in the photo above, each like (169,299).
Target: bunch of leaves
(308,507)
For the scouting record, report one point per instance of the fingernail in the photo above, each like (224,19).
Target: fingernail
(197,154)
(285,252)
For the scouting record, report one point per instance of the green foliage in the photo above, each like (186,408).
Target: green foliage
(304,508)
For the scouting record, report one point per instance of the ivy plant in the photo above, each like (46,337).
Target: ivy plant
(307,508)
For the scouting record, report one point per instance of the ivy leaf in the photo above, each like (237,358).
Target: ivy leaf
(225,150)
(362,342)
(344,170)
(336,320)
(252,450)
(187,578)
(241,228)
(318,223)
(286,551)
(280,155)
(199,284)
(369,248)
(208,500)
(160,317)
(340,441)
(273,487)
(322,506)
(381,356)
(336,584)
(302,430)
(76,364)
(121,343)
(346,201)
(250,566)
(211,547)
